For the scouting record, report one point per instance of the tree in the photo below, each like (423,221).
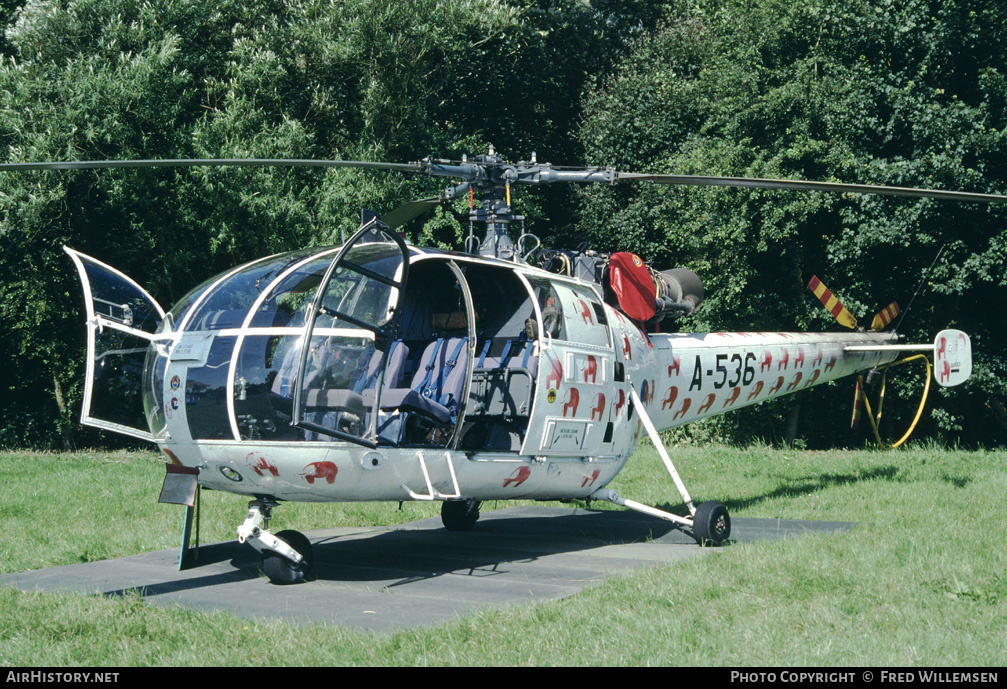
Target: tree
(907,94)
(358,79)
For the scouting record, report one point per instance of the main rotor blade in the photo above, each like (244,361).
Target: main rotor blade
(530,174)
(406,212)
(205,162)
(801,185)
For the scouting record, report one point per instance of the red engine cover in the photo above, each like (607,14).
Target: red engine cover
(633,287)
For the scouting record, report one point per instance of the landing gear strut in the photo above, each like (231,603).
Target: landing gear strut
(286,556)
(710,521)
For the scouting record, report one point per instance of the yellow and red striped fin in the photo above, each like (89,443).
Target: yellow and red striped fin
(834,306)
(885,316)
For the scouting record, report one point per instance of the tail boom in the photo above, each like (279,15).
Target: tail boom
(700,375)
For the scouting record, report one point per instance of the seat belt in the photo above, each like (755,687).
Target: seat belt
(485,352)
(449,365)
(424,388)
(506,353)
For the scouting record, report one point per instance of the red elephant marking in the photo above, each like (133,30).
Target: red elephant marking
(797,379)
(555,374)
(776,388)
(755,393)
(733,398)
(675,366)
(707,403)
(571,402)
(599,406)
(324,470)
(832,363)
(817,361)
(669,400)
(767,361)
(627,351)
(590,369)
(519,476)
(799,361)
(814,377)
(686,403)
(620,402)
(585,312)
(260,465)
(784,360)
(589,480)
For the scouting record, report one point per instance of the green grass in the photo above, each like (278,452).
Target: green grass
(921,582)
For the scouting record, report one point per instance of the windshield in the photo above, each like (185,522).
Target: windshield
(224,300)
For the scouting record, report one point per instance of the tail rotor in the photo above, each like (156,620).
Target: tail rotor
(951,351)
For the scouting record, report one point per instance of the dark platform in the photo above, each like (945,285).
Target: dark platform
(413,574)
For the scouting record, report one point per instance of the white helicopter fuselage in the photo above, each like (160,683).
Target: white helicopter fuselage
(534,370)
(679,377)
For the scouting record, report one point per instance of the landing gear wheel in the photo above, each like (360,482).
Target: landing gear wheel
(711,525)
(460,515)
(279,569)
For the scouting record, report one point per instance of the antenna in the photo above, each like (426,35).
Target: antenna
(922,282)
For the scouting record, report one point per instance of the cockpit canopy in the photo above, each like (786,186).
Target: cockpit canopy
(277,291)
(375,343)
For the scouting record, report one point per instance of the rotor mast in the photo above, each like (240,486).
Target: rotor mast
(492,178)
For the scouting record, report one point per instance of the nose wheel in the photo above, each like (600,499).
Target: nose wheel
(286,556)
(282,570)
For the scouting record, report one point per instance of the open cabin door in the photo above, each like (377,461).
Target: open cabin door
(349,335)
(121,321)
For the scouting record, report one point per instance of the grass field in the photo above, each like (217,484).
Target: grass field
(923,581)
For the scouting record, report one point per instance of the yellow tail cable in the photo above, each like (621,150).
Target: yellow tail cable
(876,420)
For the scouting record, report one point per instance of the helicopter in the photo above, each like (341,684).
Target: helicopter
(380,371)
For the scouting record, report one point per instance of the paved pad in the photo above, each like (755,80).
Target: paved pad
(413,574)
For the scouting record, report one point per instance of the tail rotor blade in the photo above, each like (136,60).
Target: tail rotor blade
(885,316)
(855,417)
(829,300)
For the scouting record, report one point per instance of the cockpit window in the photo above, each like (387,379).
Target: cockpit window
(178,311)
(289,301)
(361,290)
(228,304)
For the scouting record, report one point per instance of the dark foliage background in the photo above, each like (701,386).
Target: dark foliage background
(906,93)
